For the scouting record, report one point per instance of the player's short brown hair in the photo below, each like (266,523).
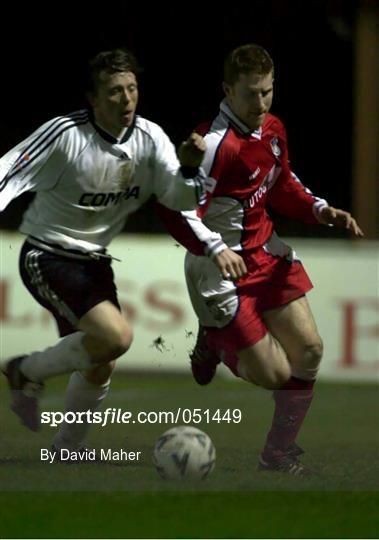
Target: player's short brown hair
(246,59)
(114,61)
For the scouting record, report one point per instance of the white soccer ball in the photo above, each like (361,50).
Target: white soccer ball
(184,452)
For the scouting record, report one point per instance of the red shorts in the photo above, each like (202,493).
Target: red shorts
(271,282)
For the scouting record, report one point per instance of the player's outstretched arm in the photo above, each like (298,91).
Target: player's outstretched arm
(191,152)
(340,218)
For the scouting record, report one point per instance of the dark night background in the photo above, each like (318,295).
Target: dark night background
(181,48)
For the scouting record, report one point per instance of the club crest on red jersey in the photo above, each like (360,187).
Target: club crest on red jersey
(274,143)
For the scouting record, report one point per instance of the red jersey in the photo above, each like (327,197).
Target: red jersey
(248,173)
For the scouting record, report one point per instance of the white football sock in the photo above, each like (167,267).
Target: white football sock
(81,395)
(66,356)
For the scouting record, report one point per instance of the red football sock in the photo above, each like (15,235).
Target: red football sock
(292,402)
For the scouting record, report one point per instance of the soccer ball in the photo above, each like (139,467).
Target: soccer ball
(184,452)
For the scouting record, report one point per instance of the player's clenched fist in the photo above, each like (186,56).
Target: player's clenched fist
(191,151)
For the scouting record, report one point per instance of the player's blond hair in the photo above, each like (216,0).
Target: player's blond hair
(250,58)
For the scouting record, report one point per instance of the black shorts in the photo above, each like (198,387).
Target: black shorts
(67,287)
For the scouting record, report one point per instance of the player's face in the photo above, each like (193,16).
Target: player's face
(250,98)
(115,100)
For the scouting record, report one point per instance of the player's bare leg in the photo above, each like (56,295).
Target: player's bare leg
(265,363)
(104,335)
(294,333)
(294,326)
(107,336)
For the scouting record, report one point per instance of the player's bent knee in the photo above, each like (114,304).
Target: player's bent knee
(312,354)
(307,364)
(115,342)
(120,342)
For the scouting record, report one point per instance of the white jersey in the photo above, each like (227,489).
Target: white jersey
(87,182)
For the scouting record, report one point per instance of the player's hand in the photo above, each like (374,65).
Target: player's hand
(191,151)
(231,265)
(340,218)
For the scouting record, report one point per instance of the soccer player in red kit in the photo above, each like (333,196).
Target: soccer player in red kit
(247,286)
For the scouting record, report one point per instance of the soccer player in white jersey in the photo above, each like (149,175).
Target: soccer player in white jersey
(247,287)
(90,170)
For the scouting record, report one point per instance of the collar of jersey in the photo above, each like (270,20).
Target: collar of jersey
(107,136)
(227,111)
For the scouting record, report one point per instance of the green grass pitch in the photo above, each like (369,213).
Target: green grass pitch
(129,500)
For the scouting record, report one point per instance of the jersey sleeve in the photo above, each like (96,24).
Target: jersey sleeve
(188,227)
(190,231)
(178,188)
(35,164)
(288,196)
